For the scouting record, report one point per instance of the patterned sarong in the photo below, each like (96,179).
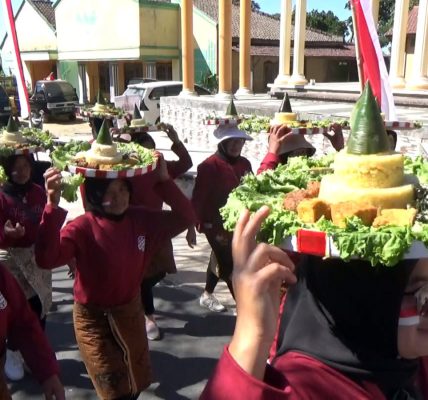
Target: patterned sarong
(114,348)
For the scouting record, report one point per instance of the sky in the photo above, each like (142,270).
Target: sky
(337,6)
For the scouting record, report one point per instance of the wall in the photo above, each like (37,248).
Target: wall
(205,44)
(101,29)
(68,70)
(316,68)
(159,31)
(42,37)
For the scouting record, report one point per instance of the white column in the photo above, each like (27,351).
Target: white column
(298,77)
(397,68)
(420,66)
(245,49)
(284,44)
(114,85)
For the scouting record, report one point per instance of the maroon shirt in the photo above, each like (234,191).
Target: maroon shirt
(215,180)
(28,213)
(293,376)
(19,322)
(111,256)
(270,161)
(143,192)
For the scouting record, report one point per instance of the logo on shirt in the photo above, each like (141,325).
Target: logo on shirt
(3,302)
(141,243)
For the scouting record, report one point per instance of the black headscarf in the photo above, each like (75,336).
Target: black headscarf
(346,315)
(95,190)
(222,153)
(10,187)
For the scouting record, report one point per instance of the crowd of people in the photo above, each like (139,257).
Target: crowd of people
(121,247)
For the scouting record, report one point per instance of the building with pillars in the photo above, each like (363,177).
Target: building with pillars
(409,50)
(327,58)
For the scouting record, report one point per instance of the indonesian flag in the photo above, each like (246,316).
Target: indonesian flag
(374,68)
(11,31)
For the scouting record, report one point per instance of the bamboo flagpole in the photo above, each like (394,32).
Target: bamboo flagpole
(357,47)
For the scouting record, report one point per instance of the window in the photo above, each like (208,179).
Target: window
(157,93)
(173,90)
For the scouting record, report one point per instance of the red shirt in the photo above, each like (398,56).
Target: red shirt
(294,376)
(215,180)
(270,161)
(111,256)
(19,323)
(143,192)
(28,213)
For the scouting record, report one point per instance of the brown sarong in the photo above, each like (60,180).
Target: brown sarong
(114,348)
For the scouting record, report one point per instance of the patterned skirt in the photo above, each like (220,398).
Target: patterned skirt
(114,348)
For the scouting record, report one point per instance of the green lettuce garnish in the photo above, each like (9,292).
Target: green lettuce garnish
(69,186)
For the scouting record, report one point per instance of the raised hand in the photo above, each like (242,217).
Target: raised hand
(53,185)
(335,135)
(259,270)
(277,135)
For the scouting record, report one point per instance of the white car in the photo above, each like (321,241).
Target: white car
(147,96)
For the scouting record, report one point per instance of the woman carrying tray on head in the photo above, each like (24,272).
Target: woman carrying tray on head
(217,176)
(112,245)
(21,207)
(348,331)
(284,144)
(143,195)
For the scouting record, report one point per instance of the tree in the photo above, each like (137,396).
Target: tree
(326,21)
(386,18)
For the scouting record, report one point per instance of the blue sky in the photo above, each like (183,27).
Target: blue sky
(337,6)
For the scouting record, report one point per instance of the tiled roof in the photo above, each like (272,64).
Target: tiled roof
(411,23)
(342,52)
(413,20)
(45,8)
(263,26)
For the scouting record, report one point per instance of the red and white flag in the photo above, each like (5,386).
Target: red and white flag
(374,68)
(16,55)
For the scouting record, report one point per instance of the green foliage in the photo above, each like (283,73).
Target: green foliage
(326,21)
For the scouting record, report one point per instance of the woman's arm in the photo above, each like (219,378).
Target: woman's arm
(259,271)
(54,246)
(24,328)
(201,194)
(184,162)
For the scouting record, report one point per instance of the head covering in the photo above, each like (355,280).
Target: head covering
(144,139)
(295,142)
(346,315)
(229,131)
(10,187)
(95,189)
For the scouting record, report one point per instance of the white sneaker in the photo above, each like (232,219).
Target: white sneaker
(211,302)
(152,330)
(14,366)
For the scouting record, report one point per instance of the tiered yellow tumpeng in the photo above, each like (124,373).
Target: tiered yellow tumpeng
(367,170)
(285,114)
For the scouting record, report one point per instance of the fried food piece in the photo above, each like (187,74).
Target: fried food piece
(396,217)
(347,209)
(311,210)
(293,199)
(313,188)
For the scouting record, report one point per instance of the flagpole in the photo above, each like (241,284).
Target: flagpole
(357,48)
